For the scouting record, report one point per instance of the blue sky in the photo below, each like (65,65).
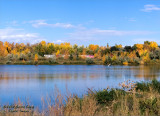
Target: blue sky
(81,22)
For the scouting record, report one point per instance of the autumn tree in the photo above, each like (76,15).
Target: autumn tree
(7,46)
(118,46)
(36,58)
(153,45)
(139,46)
(3,51)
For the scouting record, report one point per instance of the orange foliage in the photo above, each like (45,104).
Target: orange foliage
(118,46)
(153,45)
(3,51)
(43,43)
(93,47)
(36,57)
(139,46)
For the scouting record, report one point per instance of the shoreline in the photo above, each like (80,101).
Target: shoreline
(78,63)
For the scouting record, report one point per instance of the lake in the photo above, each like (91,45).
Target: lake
(34,82)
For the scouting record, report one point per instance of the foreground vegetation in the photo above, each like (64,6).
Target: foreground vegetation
(65,53)
(133,99)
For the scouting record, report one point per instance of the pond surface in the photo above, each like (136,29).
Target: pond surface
(34,82)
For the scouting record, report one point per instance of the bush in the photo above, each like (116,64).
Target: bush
(105,96)
(156,85)
(89,61)
(36,63)
(146,86)
(125,63)
(150,105)
(9,62)
(52,61)
(22,57)
(10,57)
(142,86)
(120,59)
(157,53)
(71,57)
(108,60)
(152,55)
(29,62)
(136,61)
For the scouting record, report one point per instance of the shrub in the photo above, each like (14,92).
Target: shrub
(9,62)
(156,85)
(120,59)
(22,57)
(157,53)
(52,61)
(107,60)
(125,63)
(150,105)
(105,96)
(152,55)
(136,61)
(146,86)
(71,57)
(10,57)
(89,61)
(142,86)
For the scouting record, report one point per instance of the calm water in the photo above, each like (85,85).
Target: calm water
(34,82)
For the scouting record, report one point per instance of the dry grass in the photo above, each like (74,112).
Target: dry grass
(130,102)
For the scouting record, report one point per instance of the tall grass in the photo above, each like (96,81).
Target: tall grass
(132,99)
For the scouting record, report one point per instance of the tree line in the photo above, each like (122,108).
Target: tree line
(117,54)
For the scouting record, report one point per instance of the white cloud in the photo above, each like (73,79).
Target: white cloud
(58,41)
(43,23)
(98,32)
(19,35)
(91,35)
(12,23)
(150,7)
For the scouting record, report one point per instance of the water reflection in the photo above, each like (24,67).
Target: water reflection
(36,81)
(18,72)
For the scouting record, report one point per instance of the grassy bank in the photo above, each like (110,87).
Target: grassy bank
(44,61)
(133,99)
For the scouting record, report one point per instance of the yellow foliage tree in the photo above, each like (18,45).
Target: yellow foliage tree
(153,45)
(103,58)
(118,46)
(3,51)
(36,57)
(93,47)
(7,46)
(146,58)
(26,51)
(57,53)
(139,46)
(114,58)
(43,43)
(84,53)
(14,51)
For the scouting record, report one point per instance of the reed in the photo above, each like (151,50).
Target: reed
(131,99)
